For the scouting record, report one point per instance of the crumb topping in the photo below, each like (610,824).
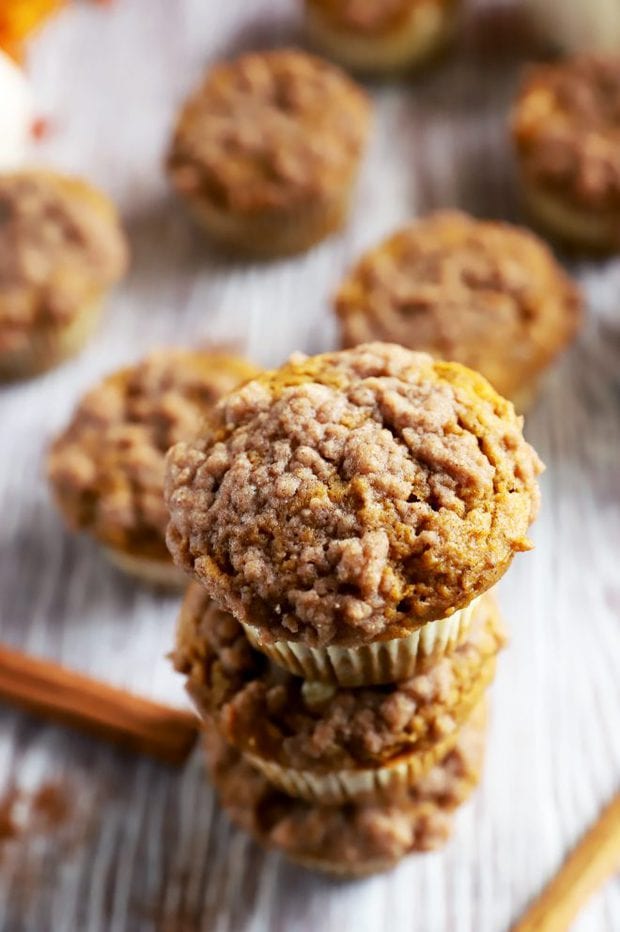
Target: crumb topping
(566,127)
(107,468)
(355,834)
(485,294)
(353,495)
(262,709)
(270,130)
(61,244)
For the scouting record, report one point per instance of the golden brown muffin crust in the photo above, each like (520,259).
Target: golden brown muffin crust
(262,709)
(107,468)
(61,245)
(371,17)
(356,834)
(485,294)
(353,496)
(566,128)
(270,130)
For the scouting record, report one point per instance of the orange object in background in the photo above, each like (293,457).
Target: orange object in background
(18,18)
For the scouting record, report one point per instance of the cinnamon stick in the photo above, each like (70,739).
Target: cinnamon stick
(60,695)
(593,861)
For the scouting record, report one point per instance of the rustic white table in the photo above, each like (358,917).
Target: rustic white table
(107,841)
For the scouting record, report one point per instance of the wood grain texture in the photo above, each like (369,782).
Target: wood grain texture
(145,847)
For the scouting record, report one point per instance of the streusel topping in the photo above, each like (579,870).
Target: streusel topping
(353,495)
(486,294)
(60,245)
(262,709)
(566,126)
(107,467)
(269,130)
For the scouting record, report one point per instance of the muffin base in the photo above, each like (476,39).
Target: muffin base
(428,30)
(587,231)
(50,346)
(159,573)
(368,664)
(379,783)
(271,234)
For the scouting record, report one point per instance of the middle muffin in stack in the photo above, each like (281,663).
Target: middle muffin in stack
(350,510)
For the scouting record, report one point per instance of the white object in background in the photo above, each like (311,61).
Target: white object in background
(16,111)
(578,25)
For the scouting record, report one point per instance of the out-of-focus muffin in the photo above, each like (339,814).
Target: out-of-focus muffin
(266,151)
(381,36)
(61,248)
(106,469)
(486,294)
(566,132)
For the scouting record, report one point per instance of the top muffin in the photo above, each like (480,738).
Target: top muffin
(352,496)
(566,127)
(270,130)
(61,245)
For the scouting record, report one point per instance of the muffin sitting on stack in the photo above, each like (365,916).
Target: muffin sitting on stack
(351,511)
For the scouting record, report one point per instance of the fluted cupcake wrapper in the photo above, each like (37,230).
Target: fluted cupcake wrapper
(368,664)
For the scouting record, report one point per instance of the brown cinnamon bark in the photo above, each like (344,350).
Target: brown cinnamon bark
(61,695)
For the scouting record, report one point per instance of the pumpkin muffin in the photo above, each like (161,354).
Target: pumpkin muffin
(566,131)
(61,248)
(106,469)
(320,741)
(266,151)
(354,839)
(349,499)
(485,294)
(381,36)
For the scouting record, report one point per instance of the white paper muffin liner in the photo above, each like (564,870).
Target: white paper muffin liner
(369,664)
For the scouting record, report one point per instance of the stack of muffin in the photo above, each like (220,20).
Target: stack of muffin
(344,518)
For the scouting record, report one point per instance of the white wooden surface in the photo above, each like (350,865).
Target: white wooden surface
(145,847)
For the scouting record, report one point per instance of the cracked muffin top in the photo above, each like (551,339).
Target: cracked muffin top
(566,128)
(61,245)
(352,496)
(486,294)
(270,130)
(358,835)
(107,467)
(264,710)
(371,17)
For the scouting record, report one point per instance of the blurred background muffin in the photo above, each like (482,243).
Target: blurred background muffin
(267,149)
(566,132)
(485,294)
(61,248)
(106,469)
(380,36)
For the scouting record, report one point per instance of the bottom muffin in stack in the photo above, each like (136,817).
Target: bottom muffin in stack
(345,780)
(351,839)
